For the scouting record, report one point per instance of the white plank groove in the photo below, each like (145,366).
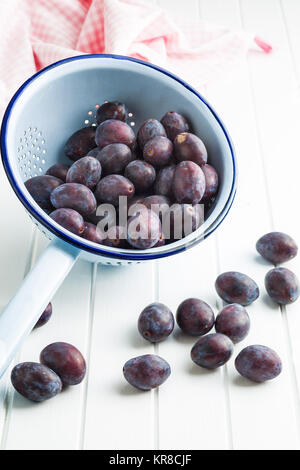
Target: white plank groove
(118,417)
(8,391)
(290,10)
(97,307)
(15,257)
(194,400)
(291,15)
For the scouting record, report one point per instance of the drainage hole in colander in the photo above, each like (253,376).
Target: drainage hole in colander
(32,141)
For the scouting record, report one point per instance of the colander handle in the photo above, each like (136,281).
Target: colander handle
(24,309)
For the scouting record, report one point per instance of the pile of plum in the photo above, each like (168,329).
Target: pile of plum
(61,364)
(196,318)
(165,165)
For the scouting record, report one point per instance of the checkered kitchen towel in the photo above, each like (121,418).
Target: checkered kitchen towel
(35,33)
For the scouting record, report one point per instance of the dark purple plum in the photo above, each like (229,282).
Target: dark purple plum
(45,317)
(212,351)
(174,124)
(164,181)
(188,183)
(66,361)
(156,322)
(111,187)
(41,187)
(282,285)
(80,143)
(235,287)
(184,219)
(114,132)
(93,218)
(35,381)
(59,170)
(69,219)
(234,322)
(158,204)
(92,233)
(149,129)
(116,237)
(114,158)
(211,181)
(74,196)
(141,174)
(195,317)
(137,152)
(146,372)
(258,363)
(111,110)
(144,230)
(107,217)
(158,151)
(188,146)
(86,171)
(277,247)
(208,206)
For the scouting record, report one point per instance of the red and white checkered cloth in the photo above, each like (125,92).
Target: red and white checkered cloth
(35,33)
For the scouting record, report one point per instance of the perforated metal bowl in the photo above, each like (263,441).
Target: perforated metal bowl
(43,113)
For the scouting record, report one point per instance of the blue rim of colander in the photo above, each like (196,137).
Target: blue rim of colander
(138,256)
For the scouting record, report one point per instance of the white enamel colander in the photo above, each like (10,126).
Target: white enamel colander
(41,116)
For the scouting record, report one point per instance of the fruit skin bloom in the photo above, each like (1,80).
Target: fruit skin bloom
(277,247)
(156,322)
(195,317)
(174,124)
(212,351)
(144,230)
(157,151)
(282,285)
(234,322)
(235,287)
(66,360)
(258,363)
(188,146)
(188,183)
(114,132)
(146,372)
(35,381)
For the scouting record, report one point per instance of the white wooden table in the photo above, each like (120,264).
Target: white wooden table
(96,308)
